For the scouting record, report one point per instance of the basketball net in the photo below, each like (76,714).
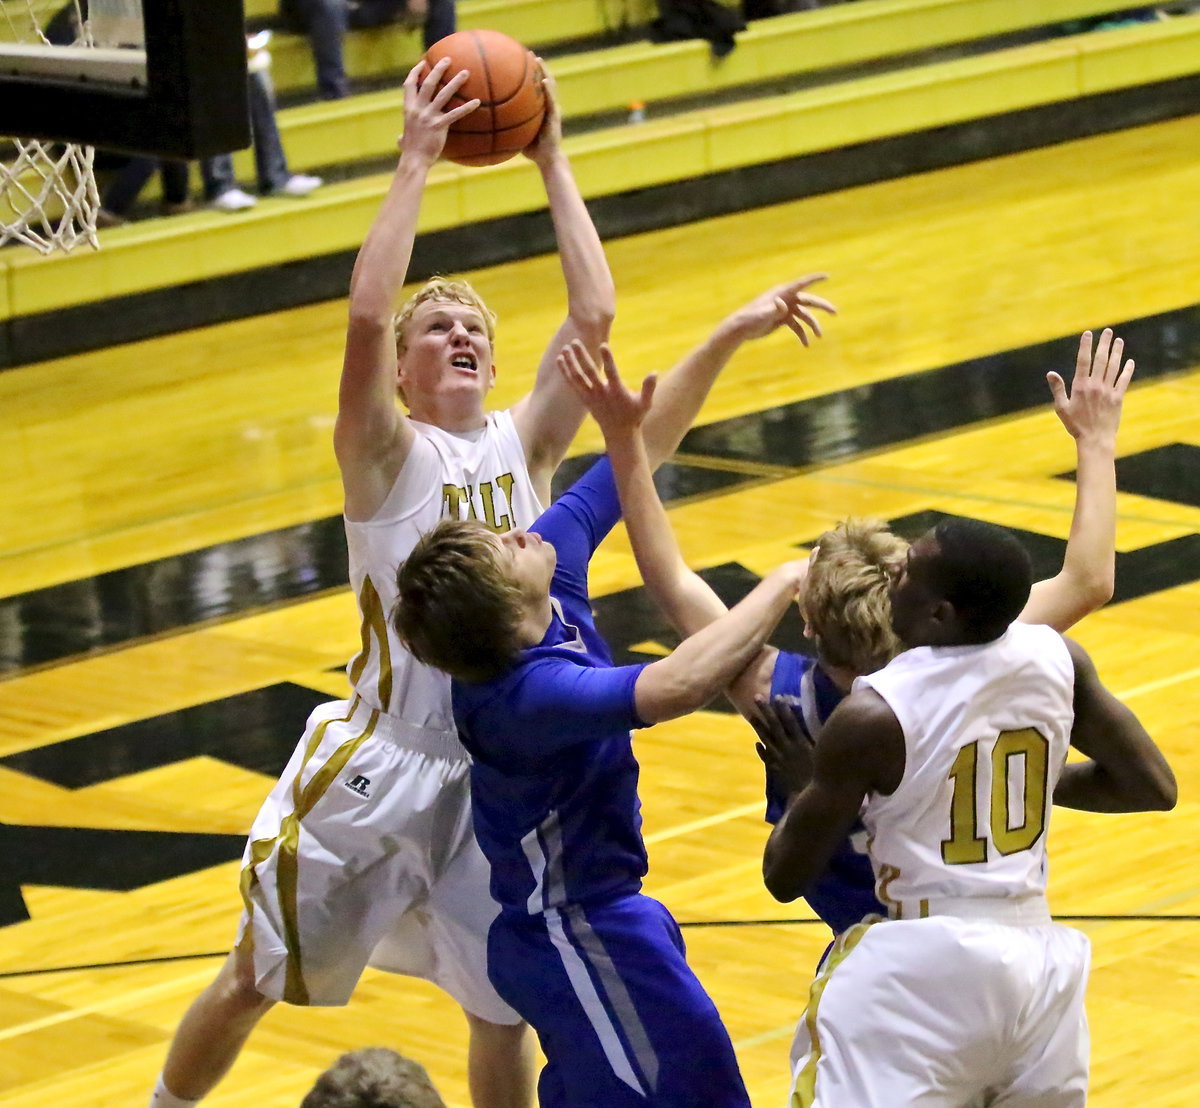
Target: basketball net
(48,195)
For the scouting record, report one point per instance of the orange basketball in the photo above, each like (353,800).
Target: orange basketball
(504,77)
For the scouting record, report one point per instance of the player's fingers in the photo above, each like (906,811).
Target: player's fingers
(783,712)
(761,722)
(433,77)
(818,302)
(810,279)
(798,330)
(463,110)
(582,369)
(810,319)
(648,387)
(570,370)
(1058,390)
(612,375)
(1123,378)
(587,364)
(413,80)
(1112,367)
(1083,358)
(1103,344)
(452,85)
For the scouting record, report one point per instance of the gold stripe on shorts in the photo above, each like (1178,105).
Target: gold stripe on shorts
(804,1090)
(287,841)
(295,991)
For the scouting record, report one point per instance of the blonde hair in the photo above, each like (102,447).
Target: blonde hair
(444,289)
(456,608)
(846,601)
(373,1077)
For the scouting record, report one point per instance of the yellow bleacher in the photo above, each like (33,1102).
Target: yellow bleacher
(158,254)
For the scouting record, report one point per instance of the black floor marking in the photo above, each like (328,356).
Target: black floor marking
(229,580)
(91,858)
(254,730)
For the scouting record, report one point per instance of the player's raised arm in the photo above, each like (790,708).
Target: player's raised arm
(1091,413)
(549,417)
(706,662)
(371,436)
(682,391)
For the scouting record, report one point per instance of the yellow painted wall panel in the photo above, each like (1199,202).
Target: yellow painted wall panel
(1138,55)
(493,191)
(653,156)
(443,204)
(761,136)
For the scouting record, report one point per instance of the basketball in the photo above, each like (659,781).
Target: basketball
(504,78)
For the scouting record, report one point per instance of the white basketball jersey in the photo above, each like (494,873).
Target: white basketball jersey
(986,731)
(445,476)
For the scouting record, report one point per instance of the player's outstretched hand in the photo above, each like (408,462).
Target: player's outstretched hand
(549,137)
(1092,409)
(789,304)
(614,407)
(785,749)
(426,119)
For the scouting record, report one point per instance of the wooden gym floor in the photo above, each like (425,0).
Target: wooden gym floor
(175,603)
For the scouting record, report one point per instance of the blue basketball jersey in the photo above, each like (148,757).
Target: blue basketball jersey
(554,779)
(845,892)
(595,967)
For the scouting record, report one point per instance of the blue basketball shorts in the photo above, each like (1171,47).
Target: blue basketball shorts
(621,1017)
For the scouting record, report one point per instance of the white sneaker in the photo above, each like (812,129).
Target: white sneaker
(232,200)
(300,184)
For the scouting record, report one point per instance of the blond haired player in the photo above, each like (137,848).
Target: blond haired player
(364,850)
(366,840)
(847,611)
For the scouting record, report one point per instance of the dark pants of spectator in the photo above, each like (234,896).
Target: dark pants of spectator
(325,23)
(270,163)
(131,178)
(440,16)
(440,21)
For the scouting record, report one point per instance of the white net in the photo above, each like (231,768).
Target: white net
(48,196)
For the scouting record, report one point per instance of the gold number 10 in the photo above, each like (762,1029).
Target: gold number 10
(965,844)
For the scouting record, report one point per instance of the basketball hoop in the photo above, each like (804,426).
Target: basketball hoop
(48,195)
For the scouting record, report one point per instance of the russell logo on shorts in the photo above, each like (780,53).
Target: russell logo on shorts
(358,784)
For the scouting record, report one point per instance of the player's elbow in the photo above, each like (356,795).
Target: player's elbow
(1154,789)
(595,328)
(780,883)
(593,320)
(370,317)
(1096,588)
(1164,790)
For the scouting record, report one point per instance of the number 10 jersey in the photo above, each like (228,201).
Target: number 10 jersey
(986,732)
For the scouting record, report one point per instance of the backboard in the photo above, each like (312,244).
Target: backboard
(182,96)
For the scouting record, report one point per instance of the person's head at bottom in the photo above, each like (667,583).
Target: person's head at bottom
(373,1077)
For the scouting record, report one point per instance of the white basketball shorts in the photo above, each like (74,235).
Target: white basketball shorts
(947,1012)
(364,853)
